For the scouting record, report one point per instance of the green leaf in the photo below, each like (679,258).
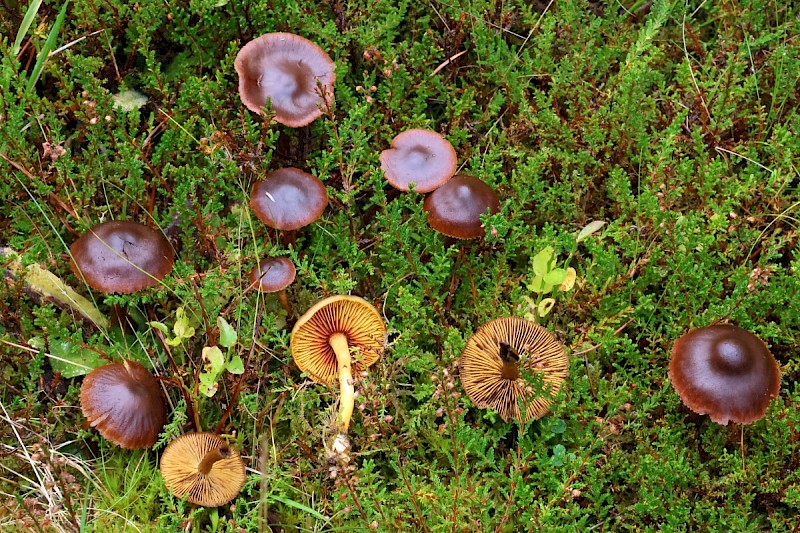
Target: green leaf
(214,359)
(569,281)
(208,384)
(589,230)
(33,8)
(541,261)
(235,365)
(182,328)
(555,276)
(545,306)
(538,285)
(49,45)
(160,326)
(227,335)
(71,359)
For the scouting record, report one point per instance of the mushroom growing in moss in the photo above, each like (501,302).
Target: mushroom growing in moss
(274,275)
(420,157)
(455,208)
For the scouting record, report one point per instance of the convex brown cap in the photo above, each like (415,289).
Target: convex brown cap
(490,367)
(203,468)
(455,208)
(121,256)
(421,157)
(351,316)
(289,71)
(124,403)
(288,199)
(725,372)
(273,274)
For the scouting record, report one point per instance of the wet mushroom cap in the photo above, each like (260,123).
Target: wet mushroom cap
(288,199)
(124,403)
(122,257)
(203,468)
(455,208)
(490,365)
(725,372)
(421,157)
(352,316)
(273,274)
(289,71)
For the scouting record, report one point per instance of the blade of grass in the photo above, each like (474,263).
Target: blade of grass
(25,26)
(49,45)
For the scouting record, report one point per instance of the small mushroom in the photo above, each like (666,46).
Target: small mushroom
(122,257)
(328,336)
(725,372)
(420,157)
(490,367)
(295,75)
(455,208)
(124,403)
(288,199)
(202,468)
(274,274)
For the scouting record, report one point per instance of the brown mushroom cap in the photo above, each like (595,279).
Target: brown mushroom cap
(489,367)
(456,207)
(288,199)
(202,468)
(352,316)
(121,256)
(273,274)
(725,372)
(124,403)
(289,71)
(421,157)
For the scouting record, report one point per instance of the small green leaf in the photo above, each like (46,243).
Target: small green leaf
(545,306)
(589,230)
(208,384)
(214,359)
(569,281)
(541,261)
(182,328)
(174,342)
(538,285)
(235,365)
(160,326)
(227,335)
(555,276)
(71,359)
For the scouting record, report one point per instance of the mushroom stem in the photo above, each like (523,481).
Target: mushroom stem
(338,342)
(285,303)
(211,457)
(510,360)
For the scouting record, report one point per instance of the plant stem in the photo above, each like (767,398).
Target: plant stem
(338,342)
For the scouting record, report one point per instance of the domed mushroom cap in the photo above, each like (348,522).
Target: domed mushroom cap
(122,256)
(725,372)
(289,71)
(422,157)
(456,207)
(489,367)
(124,403)
(202,468)
(288,199)
(352,316)
(273,274)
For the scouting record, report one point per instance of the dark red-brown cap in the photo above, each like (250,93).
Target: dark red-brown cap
(725,372)
(288,199)
(122,256)
(456,207)
(289,71)
(124,403)
(273,274)
(421,157)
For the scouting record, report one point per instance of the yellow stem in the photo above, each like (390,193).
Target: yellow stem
(338,342)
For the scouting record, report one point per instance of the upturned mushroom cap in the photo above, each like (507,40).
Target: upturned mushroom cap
(289,71)
(352,316)
(421,157)
(455,208)
(122,256)
(489,367)
(124,403)
(288,199)
(203,468)
(273,274)
(725,372)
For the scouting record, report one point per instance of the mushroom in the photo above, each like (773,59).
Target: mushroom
(725,372)
(124,403)
(121,257)
(420,157)
(455,208)
(290,72)
(203,468)
(288,199)
(274,274)
(337,336)
(490,367)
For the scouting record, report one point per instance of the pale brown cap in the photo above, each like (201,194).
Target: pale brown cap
(455,208)
(288,199)
(122,257)
(491,361)
(273,274)
(124,403)
(352,316)
(203,468)
(289,71)
(725,372)
(421,157)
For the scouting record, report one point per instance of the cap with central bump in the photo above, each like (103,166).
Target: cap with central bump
(455,208)
(288,199)
(420,157)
